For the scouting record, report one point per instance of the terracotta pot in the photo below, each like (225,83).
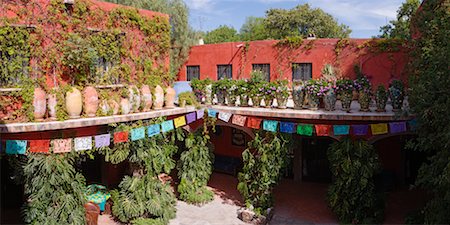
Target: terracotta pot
(146,98)
(104,107)
(125,106)
(114,106)
(74,103)
(51,104)
(170,97)
(39,104)
(134,98)
(90,100)
(159,98)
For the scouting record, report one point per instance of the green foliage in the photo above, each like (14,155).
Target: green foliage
(352,195)
(143,197)
(194,169)
(27,94)
(55,191)
(14,55)
(221,34)
(429,98)
(263,161)
(189,98)
(253,29)
(292,42)
(400,28)
(301,21)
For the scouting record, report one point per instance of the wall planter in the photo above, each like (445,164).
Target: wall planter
(170,97)
(147,100)
(39,104)
(51,105)
(159,98)
(329,100)
(74,103)
(90,100)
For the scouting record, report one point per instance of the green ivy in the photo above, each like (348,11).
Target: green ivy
(264,159)
(352,195)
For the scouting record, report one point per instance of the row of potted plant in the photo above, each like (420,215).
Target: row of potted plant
(305,94)
(93,102)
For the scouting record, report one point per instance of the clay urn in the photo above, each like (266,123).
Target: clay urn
(104,107)
(90,100)
(134,98)
(39,104)
(146,95)
(125,106)
(170,97)
(159,98)
(74,103)
(51,104)
(114,106)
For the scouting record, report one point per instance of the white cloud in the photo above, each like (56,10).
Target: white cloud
(200,4)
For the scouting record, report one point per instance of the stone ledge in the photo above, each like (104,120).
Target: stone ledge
(94,121)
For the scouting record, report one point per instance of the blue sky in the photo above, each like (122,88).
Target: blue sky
(363,16)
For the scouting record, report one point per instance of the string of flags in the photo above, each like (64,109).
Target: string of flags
(103,140)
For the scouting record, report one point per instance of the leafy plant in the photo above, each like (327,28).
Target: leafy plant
(344,86)
(282,90)
(352,195)
(188,98)
(263,161)
(316,87)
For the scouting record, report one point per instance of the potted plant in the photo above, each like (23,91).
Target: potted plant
(243,92)
(125,106)
(232,93)
(187,98)
(396,92)
(313,90)
(220,90)
(281,93)
(170,95)
(381,97)
(364,88)
(298,94)
(269,93)
(328,91)
(199,89)
(256,94)
(344,89)
(158,102)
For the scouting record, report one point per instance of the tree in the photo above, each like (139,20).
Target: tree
(223,33)
(253,29)
(301,21)
(429,99)
(399,28)
(182,35)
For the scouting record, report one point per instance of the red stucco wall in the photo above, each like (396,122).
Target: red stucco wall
(380,67)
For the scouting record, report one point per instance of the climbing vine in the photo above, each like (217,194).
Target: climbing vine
(264,159)
(352,195)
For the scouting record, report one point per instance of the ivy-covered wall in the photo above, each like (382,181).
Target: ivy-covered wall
(91,42)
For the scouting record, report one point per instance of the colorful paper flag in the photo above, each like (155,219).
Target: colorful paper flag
(180,121)
(286,127)
(62,145)
(200,114)
(239,120)
(153,130)
(360,130)
(397,127)
(39,146)
(341,129)
(190,118)
(14,147)
(323,130)
(167,126)
(412,124)
(224,116)
(379,128)
(103,140)
(120,137)
(254,123)
(305,129)
(82,143)
(270,125)
(137,133)
(212,113)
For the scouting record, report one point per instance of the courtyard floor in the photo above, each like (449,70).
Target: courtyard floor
(295,203)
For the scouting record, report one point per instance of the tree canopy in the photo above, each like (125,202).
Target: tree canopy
(399,28)
(223,33)
(253,29)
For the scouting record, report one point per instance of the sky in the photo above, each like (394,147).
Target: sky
(364,17)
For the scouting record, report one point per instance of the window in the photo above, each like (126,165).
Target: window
(264,68)
(192,72)
(224,71)
(301,71)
